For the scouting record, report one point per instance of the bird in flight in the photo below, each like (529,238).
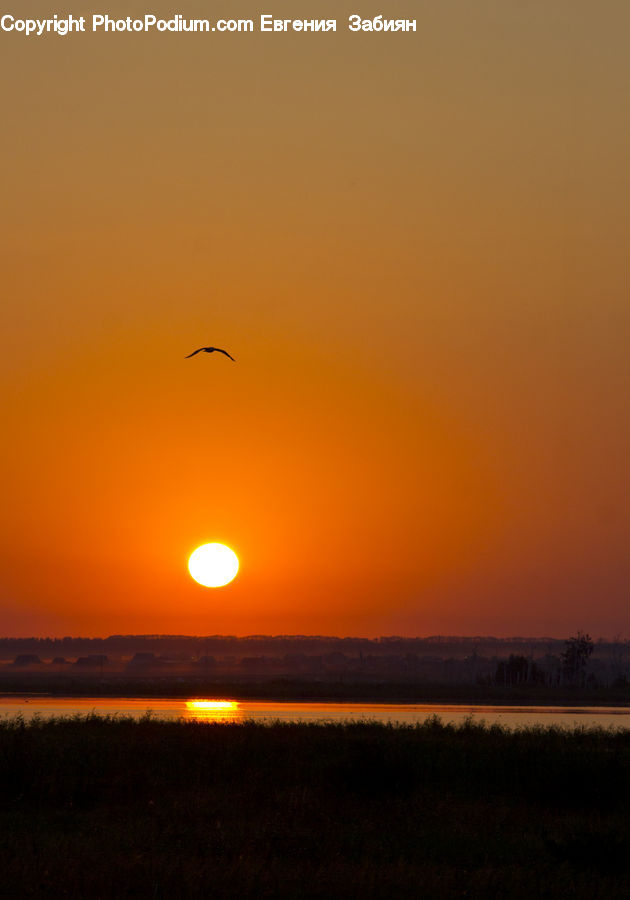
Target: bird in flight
(210,350)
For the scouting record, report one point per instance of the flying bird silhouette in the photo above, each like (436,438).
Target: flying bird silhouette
(210,350)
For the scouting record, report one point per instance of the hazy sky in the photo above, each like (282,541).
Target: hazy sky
(416,247)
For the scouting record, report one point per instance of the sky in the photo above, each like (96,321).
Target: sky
(414,245)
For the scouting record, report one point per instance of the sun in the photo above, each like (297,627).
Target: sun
(213,565)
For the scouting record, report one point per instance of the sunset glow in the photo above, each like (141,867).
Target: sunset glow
(425,427)
(315,393)
(197,705)
(213,565)
(213,710)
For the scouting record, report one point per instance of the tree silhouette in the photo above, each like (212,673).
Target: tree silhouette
(575,658)
(518,670)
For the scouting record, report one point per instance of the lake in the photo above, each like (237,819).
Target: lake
(225,710)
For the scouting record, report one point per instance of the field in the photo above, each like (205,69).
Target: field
(98,807)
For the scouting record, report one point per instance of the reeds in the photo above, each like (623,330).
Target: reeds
(116,807)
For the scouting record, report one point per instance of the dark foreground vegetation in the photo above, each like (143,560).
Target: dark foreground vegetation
(99,807)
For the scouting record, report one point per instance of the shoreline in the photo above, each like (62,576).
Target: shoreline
(279,690)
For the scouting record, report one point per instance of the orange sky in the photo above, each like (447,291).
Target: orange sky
(415,245)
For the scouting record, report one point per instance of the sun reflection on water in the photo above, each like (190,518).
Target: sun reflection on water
(213,710)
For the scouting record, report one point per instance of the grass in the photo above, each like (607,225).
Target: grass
(112,807)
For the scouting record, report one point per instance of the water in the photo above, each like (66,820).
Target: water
(223,710)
